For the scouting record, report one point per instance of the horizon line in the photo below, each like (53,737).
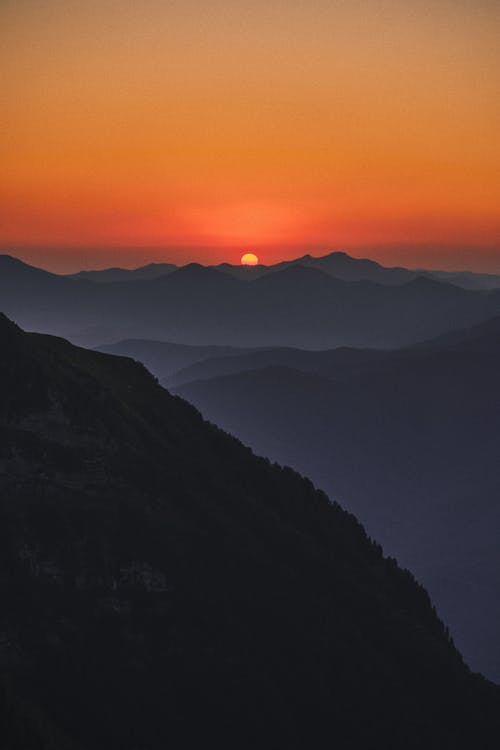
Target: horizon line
(25,255)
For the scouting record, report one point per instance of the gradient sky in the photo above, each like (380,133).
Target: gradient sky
(154,130)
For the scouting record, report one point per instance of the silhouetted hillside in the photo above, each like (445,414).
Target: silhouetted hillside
(466,279)
(484,337)
(327,362)
(408,441)
(161,586)
(44,301)
(342,266)
(298,306)
(330,363)
(164,359)
(114,275)
(338,264)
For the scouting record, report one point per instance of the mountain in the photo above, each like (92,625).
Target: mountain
(342,266)
(113,275)
(330,363)
(44,301)
(467,279)
(406,440)
(338,264)
(307,308)
(175,364)
(244,273)
(164,359)
(161,585)
(484,337)
(298,306)
(326,362)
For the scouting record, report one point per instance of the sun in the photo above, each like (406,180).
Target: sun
(249,259)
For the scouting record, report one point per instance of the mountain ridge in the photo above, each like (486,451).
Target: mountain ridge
(293,306)
(338,262)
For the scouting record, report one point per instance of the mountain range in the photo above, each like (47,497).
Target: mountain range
(338,264)
(297,306)
(161,585)
(113,275)
(166,360)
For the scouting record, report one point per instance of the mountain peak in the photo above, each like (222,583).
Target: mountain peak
(339,254)
(18,267)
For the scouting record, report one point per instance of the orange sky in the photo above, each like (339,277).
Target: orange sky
(155,130)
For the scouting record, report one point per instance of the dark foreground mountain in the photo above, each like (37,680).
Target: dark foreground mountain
(296,306)
(161,586)
(408,441)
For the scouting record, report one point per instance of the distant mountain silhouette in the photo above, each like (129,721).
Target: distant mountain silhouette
(342,266)
(112,275)
(161,585)
(484,337)
(43,301)
(338,264)
(407,440)
(244,273)
(466,279)
(330,363)
(298,306)
(164,359)
(327,362)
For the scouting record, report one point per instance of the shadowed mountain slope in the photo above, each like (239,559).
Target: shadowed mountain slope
(408,441)
(161,585)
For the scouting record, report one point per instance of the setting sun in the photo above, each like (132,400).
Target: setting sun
(249,259)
